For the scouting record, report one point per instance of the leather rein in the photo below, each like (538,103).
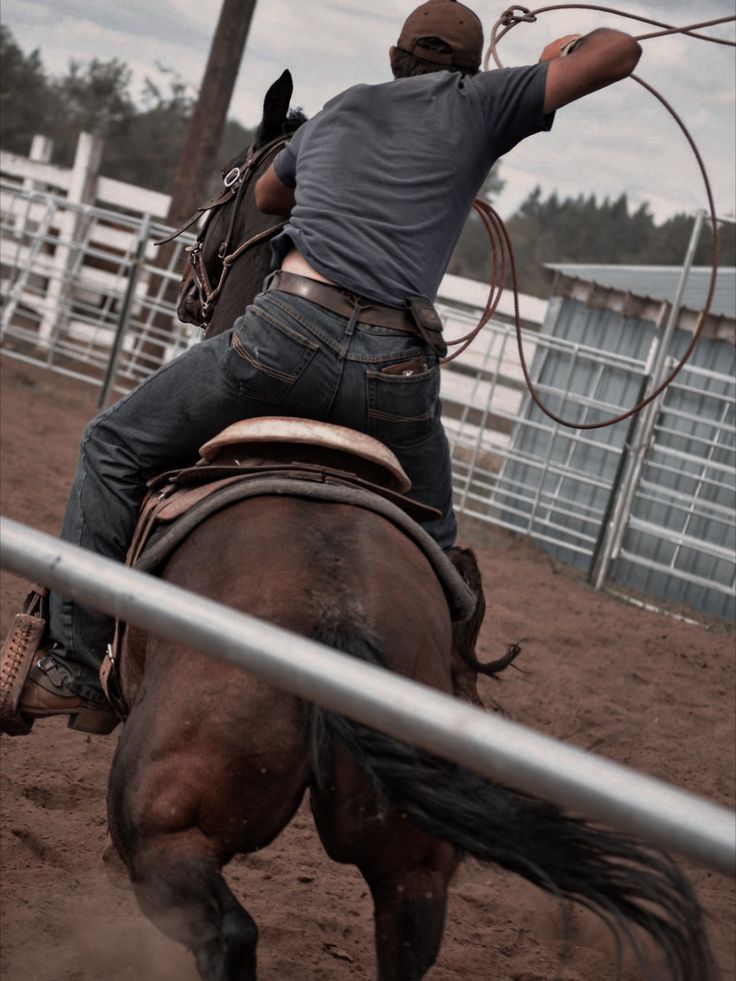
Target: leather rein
(235,182)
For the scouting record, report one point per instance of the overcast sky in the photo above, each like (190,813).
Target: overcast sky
(617,140)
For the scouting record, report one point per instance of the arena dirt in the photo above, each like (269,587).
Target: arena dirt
(639,687)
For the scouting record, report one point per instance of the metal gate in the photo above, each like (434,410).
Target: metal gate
(649,505)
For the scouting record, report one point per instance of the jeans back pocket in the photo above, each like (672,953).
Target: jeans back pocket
(266,357)
(403,401)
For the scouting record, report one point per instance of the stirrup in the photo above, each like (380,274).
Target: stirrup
(24,638)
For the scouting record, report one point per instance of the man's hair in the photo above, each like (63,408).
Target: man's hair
(405,65)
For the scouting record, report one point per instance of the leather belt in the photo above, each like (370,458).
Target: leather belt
(341,301)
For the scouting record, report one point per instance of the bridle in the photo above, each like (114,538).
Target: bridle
(235,182)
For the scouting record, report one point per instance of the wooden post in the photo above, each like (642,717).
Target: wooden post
(198,160)
(41,150)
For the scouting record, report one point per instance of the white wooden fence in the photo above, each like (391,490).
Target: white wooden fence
(78,271)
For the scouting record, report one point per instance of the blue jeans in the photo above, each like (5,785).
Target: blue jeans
(285,357)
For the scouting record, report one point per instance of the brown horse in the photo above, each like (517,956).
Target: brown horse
(212,762)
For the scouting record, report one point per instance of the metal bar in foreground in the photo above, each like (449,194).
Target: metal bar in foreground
(503,751)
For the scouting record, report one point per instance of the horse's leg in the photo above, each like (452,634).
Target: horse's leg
(184,894)
(409,909)
(408,872)
(197,778)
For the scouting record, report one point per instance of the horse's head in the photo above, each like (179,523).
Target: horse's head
(235,229)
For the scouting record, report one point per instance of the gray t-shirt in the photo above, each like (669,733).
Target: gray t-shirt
(385,175)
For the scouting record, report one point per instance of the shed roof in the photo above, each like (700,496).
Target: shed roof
(469,292)
(660,283)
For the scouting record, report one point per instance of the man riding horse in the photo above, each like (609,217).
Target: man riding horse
(378,186)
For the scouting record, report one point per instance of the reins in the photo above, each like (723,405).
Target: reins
(500,240)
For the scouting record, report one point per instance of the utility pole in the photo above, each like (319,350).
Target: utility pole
(198,161)
(199,157)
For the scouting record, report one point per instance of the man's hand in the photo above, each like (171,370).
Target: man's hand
(598,59)
(555,48)
(272,196)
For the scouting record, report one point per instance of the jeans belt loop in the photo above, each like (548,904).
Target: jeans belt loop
(353,320)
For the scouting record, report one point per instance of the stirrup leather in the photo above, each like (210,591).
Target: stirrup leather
(110,678)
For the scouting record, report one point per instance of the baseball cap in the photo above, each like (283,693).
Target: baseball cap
(451,22)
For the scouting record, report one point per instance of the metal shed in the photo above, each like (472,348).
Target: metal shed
(649,503)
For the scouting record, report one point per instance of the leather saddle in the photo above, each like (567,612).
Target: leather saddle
(279,455)
(248,457)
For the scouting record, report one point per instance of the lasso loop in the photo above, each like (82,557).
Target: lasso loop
(499,237)
(508,18)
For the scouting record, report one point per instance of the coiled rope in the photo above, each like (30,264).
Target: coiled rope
(501,248)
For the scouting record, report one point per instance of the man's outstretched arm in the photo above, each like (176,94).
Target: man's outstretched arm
(598,59)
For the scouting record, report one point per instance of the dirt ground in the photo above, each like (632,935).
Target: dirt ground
(641,688)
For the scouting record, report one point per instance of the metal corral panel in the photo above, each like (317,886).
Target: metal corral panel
(680,538)
(680,542)
(565,487)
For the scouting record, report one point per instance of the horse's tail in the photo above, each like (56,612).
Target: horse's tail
(619,878)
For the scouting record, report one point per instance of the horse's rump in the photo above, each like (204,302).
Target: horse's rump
(323,570)
(314,566)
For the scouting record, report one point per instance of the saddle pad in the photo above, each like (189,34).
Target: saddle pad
(459,597)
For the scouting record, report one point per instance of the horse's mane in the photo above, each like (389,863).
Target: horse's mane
(295,118)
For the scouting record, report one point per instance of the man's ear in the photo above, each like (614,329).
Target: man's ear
(391,56)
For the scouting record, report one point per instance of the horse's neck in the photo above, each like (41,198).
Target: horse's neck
(245,280)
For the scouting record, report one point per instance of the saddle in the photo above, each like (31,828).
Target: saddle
(280,456)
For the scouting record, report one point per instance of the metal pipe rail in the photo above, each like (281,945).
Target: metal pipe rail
(492,746)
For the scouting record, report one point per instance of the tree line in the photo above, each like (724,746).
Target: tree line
(585,230)
(143,141)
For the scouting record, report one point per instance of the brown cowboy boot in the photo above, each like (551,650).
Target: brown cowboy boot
(46,693)
(34,684)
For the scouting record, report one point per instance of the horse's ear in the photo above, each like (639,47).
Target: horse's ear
(275,108)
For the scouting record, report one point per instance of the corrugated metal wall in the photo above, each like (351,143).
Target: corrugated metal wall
(680,538)
(573,472)
(680,542)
